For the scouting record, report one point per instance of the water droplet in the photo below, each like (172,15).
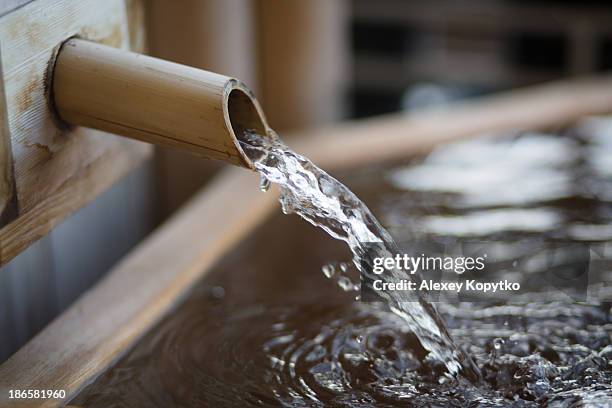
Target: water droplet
(328,270)
(359,338)
(264,183)
(358,297)
(497,344)
(343,266)
(217,292)
(345,284)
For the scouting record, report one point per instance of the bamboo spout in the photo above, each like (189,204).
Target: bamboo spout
(153,100)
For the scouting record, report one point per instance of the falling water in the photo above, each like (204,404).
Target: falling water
(326,203)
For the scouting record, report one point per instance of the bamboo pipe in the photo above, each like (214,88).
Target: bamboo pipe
(153,100)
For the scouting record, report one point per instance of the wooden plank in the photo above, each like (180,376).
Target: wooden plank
(106,321)
(86,183)
(8,194)
(393,136)
(55,171)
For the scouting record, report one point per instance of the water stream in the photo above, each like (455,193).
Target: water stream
(326,203)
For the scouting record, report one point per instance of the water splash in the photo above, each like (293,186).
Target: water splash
(264,184)
(326,203)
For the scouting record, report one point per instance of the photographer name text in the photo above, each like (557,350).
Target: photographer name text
(468,285)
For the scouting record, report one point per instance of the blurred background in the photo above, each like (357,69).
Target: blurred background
(310,63)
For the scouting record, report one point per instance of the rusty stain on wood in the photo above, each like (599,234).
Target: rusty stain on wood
(24,99)
(44,148)
(114,38)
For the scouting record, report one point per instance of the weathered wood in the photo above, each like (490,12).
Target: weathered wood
(153,100)
(107,320)
(6,6)
(8,195)
(391,137)
(54,171)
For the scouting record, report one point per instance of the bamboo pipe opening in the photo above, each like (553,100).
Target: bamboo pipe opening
(153,100)
(244,114)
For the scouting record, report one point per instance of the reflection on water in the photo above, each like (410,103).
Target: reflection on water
(479,223)
(489,172)
(270,330)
